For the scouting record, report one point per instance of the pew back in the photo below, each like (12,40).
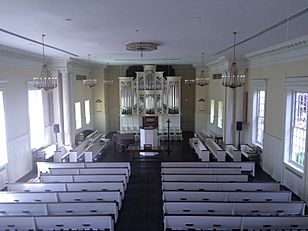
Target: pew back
(238,208)
(218,170)
(221,186)
(205,178)
(245,166)
(282,196)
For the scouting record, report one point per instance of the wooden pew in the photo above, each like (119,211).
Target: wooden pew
(88,171)
(17,223)
(45,166)
(205,222)
(72,187)
(201,150)
(218,170)
(281,196)
(204,178)
(215,149)
(276,223)
(83,178)
(82,222)
(59,208)
(47,197)
(235,208)
(233,152)
(221,186)
(83,208)
(199,222)
(245,166)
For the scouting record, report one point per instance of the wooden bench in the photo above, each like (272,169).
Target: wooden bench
(43,167)
(199,148)
(62,187)
(47,197)
(215,149)
(233,152)
(221,186)
(218,170)
(282,196)
(235,208)
(60,208)
(81,222)
(84,178)
(245,166)
(205,178)
(205,222)
(88,171)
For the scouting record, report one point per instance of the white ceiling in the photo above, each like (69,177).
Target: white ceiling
(182,28)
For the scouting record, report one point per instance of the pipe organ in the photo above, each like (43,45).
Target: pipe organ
(150,93)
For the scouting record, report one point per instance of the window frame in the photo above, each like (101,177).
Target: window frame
(4,149)
(78,121)
(293,85)
(41,141)
(220,114)
(257,86)
(212,111)
(87,111)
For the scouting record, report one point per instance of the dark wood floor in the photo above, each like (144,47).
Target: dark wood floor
(142,206)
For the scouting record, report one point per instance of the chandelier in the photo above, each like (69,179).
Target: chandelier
(203,79)
(232,78)
(141,46)
(89,82)
(44,81)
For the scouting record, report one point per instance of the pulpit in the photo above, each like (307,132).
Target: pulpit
(148,140)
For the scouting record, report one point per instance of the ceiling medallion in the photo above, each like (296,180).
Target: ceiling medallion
(141,46)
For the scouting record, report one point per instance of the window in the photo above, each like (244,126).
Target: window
(260,116)
(212,111)
(3,147)
(220,114)
(87,111)
(78,115)
(258,111)
(298,128)
(36,119)
(296,122)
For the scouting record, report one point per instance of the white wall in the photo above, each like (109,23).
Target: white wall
(17,68)
(289,61)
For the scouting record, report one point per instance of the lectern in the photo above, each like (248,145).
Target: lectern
(148,139)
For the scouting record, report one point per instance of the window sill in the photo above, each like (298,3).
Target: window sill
(257,144)
(294,167)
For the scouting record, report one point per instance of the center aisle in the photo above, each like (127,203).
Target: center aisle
(142,207)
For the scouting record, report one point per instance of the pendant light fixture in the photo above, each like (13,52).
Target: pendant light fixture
(89,82)
(232,78)
(203,79)
(45,81)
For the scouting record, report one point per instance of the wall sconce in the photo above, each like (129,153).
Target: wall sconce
(201,104)
(98,105)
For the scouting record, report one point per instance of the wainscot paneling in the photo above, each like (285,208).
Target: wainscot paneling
(272,157)
(19,158)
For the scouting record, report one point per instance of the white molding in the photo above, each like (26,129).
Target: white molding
(289,51)
(258,84)
(296,83)
(3,84)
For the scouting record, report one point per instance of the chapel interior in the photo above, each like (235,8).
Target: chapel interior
(153,94)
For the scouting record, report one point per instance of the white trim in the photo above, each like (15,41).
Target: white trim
(296,83)
(3,84)
(259,84)
(289,51)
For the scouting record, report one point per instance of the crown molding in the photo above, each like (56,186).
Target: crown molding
(289,51)
(219,65)
(18,57)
